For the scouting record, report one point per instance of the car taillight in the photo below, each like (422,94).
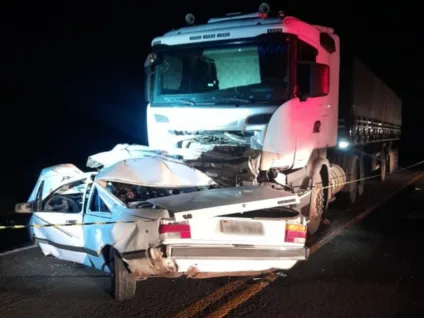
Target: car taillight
(295,233)
(176,230)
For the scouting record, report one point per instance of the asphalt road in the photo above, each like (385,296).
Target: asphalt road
(371,267)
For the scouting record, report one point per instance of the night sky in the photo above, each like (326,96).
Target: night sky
(72,74)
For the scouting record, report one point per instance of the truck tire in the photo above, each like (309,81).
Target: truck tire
(361,176)
(316,208)
(383,165)
(350,191)
(123,283)
(393,160)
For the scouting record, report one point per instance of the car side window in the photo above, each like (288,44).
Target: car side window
(66,199)
(38,197)
(97,204)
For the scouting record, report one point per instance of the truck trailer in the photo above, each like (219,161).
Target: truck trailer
(265,98)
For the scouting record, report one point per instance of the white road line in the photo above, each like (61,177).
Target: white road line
(18,250)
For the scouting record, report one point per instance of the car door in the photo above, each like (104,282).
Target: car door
(63,206)
(96,236)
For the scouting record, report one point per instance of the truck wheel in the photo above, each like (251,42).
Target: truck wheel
(383,165)
(393,161)
(361,175)
(316,208)
(396,164)
(350,191)
(123,283)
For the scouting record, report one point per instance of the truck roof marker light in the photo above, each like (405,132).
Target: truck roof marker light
(189,19)
(264,10)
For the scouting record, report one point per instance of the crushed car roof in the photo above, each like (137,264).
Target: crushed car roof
(156,172)
(53,177)
(122,152)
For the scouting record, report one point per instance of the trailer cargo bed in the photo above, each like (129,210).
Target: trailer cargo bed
(369,111)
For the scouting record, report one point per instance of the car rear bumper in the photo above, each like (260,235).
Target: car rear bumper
(206,262)
(214,253)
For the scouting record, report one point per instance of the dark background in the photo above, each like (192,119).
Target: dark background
(72,72)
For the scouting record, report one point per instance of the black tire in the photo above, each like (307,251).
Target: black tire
(383,164)
(393,160)
(123,283)
(316,208)
(347,198)
(361,176)
(396,160)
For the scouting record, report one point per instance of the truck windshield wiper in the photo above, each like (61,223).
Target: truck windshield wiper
(186,101)
(236,100)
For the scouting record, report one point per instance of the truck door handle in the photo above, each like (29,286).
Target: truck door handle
(71,222)
(317,127)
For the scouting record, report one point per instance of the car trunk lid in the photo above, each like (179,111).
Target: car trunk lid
(250,216)
(225,201)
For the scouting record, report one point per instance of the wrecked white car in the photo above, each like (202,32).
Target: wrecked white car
(161,218)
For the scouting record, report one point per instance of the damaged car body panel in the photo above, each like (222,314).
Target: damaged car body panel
(122,152)
(54,176)
(229,231)
(53,210)
(227,143)
(154,172)
(224,201)
(165,218)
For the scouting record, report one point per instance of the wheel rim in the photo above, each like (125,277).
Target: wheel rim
(320,203)
(317,209)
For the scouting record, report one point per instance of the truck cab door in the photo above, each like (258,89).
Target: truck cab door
(64,207)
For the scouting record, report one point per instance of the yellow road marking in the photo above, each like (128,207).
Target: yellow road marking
(210,299)
(361,216)
(252,290)
(244,296)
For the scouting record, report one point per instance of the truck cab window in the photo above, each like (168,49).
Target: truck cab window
(97,204)
(171,70)
(327,42)
(306,52)
(208,73)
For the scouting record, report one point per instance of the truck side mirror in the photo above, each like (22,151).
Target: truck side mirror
(313,80)
(26,207)
(149,65)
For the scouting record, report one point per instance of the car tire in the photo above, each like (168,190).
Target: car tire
(123,283)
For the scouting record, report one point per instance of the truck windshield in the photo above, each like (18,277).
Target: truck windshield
(222,74)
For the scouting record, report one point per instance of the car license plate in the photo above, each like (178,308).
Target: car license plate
(242,227)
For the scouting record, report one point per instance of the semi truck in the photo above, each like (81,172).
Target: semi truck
(265,98)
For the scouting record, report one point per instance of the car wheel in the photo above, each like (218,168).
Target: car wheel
(123,283)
